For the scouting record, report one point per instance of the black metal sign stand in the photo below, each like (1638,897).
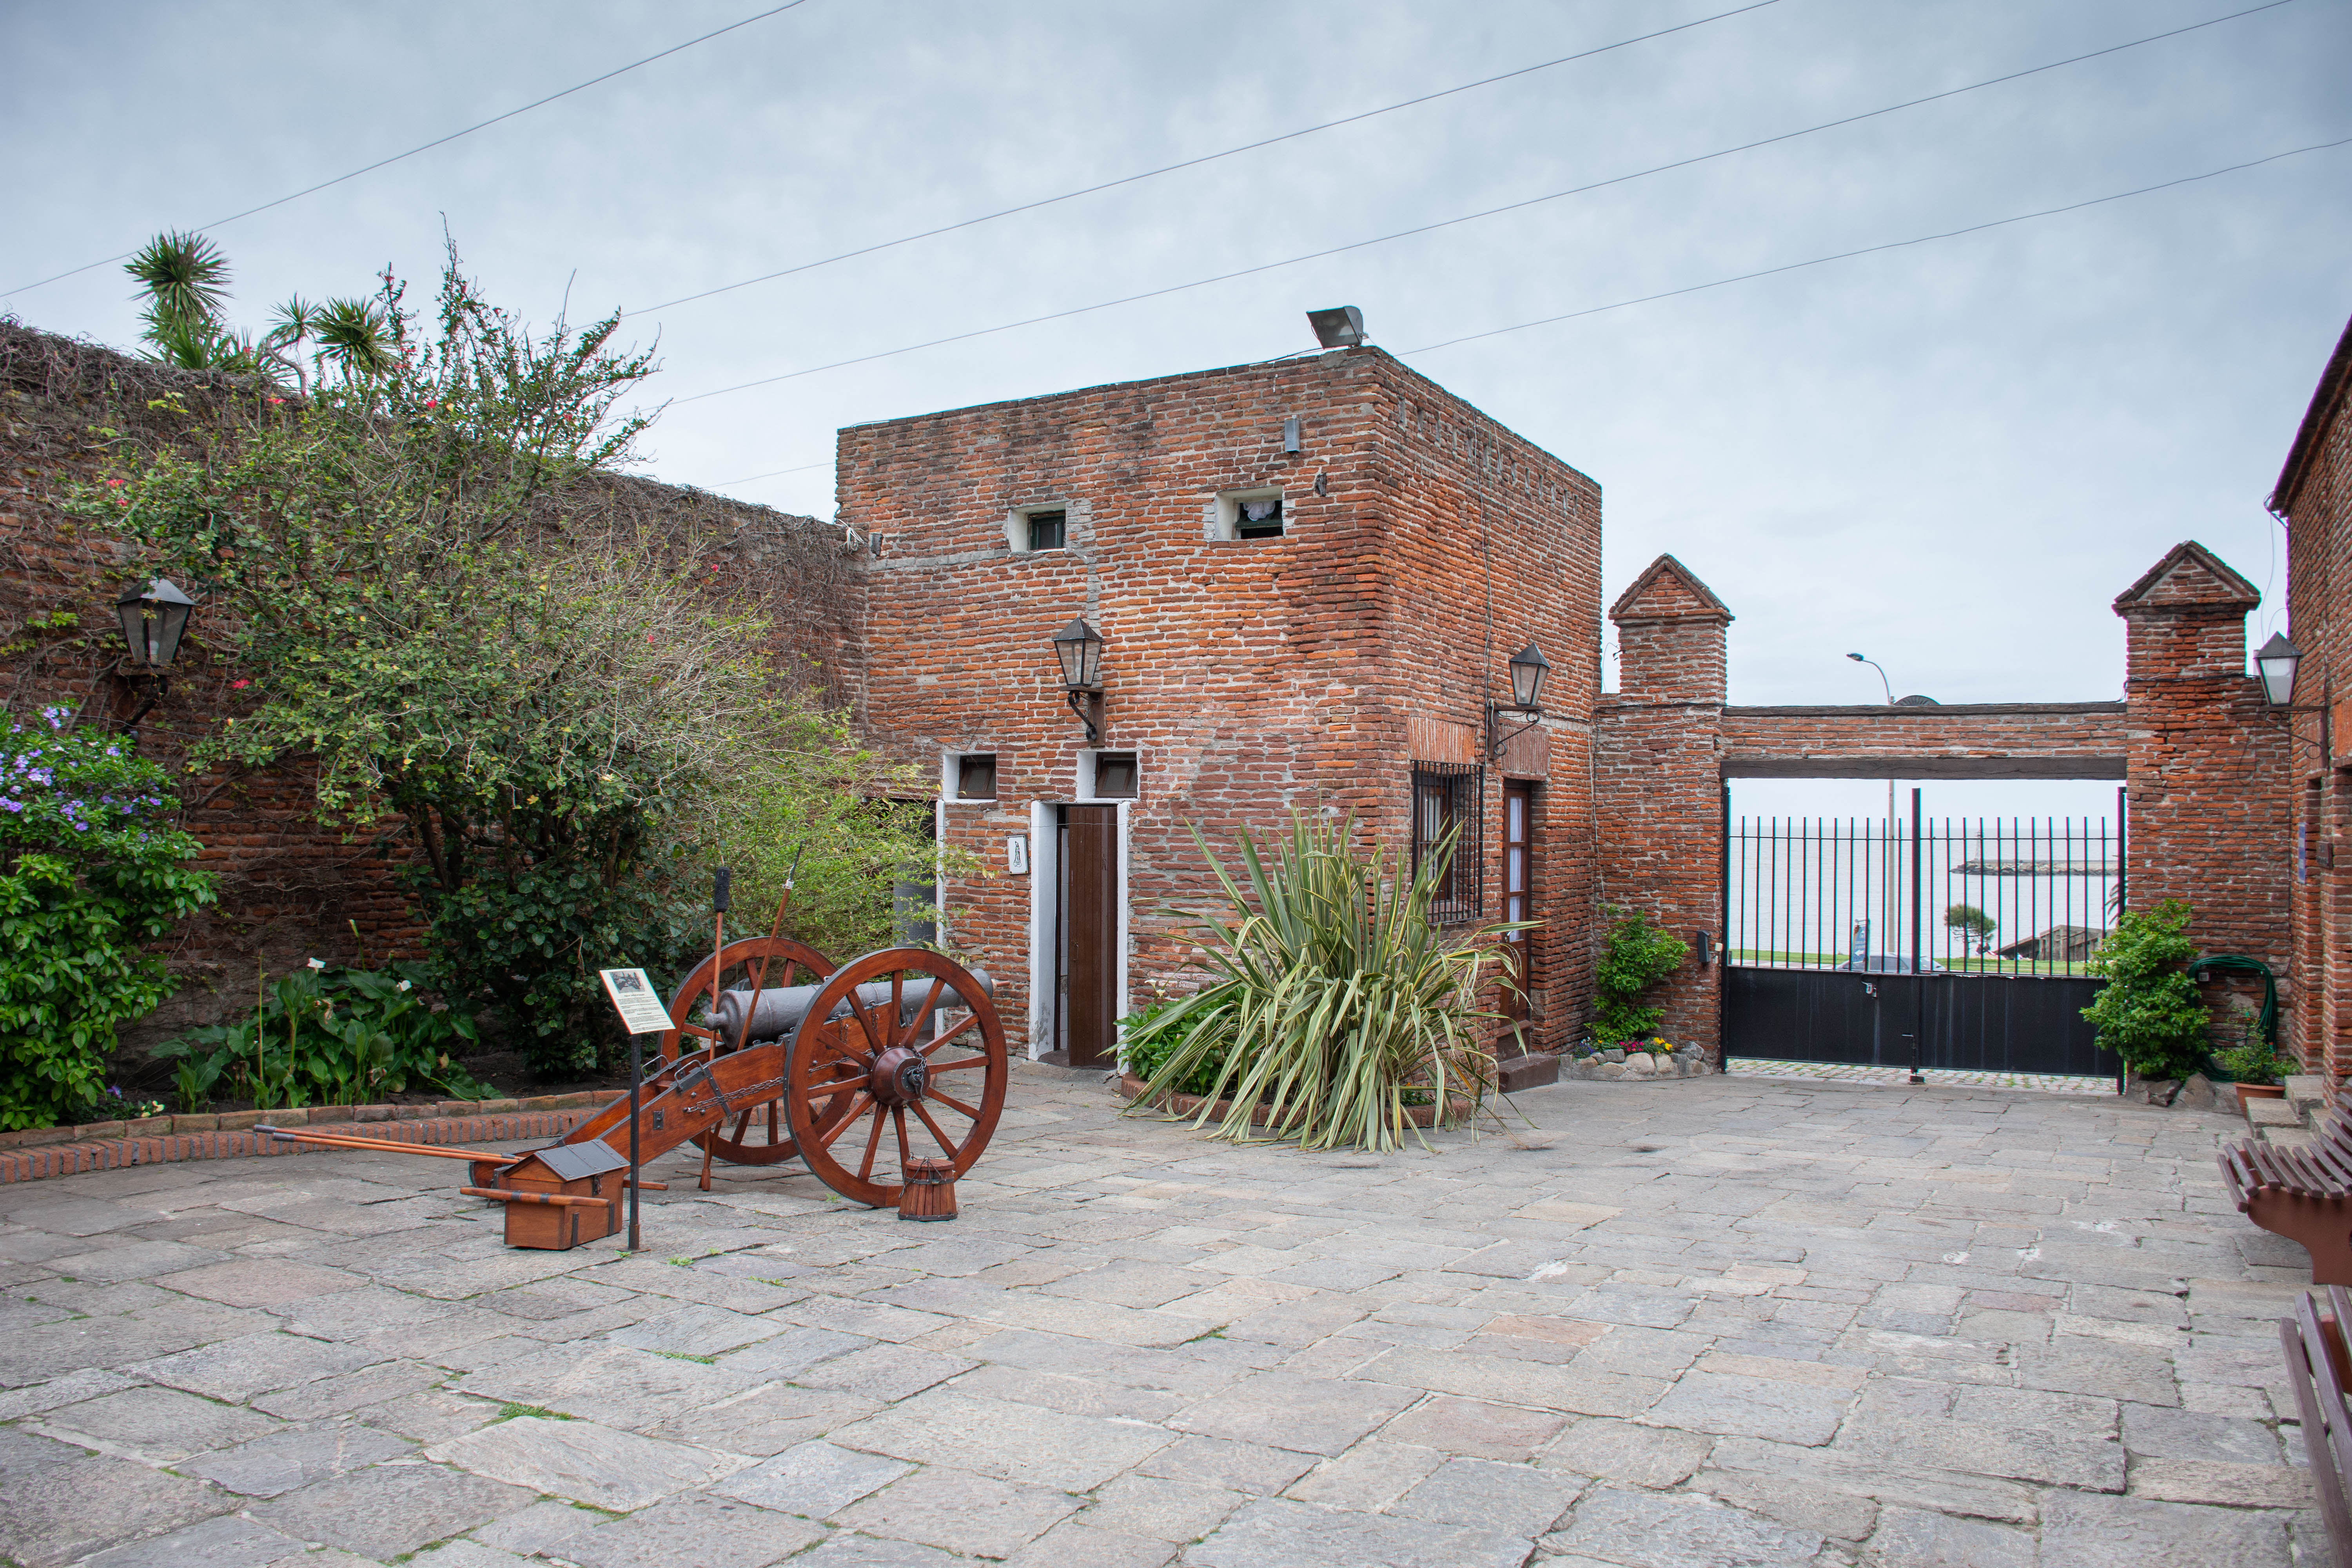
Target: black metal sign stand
(637,1093)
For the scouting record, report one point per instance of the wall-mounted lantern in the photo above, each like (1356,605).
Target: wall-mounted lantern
(1529,667)
(154,617)
(1079,648)
(2275,662)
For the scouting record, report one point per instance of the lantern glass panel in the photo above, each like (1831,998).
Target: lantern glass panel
(1080,651)
(2275,661)
(1528,667)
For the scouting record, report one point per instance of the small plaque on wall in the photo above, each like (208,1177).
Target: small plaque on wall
(2339,734)
(1016,854)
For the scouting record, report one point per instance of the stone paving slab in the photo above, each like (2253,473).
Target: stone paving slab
(1758,1322)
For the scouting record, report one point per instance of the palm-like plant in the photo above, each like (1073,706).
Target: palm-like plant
(296,323)
(183,277)
(355,336)
(1333,1003)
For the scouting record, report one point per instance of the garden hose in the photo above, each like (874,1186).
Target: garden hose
(2203,966)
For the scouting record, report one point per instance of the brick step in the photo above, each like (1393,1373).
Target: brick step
(31,1164)
(2269,1112)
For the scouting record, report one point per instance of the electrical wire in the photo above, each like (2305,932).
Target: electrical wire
(1485,213)
(1207,158)
(1874,249)
(771,473)
(428,146)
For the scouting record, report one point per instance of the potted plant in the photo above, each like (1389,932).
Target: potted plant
(2254,1064)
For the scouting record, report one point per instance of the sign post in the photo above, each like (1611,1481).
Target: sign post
(641,1014)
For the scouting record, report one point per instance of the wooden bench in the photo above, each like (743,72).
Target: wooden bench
(2320,1368)
(2304,1195)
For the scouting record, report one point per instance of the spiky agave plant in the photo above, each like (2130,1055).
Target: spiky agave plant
(1331,996)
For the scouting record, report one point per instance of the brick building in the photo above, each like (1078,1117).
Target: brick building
(1308,575)
(2314,499)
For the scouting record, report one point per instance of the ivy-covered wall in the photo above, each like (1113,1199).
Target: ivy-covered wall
(291,888)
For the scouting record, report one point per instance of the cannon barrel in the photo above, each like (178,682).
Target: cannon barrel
(778,1010)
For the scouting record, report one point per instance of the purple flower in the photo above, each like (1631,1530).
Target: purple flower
(9,805)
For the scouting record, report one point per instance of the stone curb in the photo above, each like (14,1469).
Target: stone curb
(32,1165)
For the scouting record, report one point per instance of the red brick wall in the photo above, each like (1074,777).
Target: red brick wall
(2315,496)
(1975,740)
(1658,780)
(2210,823)
(1250,676)
(2202,754)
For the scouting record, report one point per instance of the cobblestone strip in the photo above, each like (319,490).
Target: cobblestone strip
(1852,1072)
(109,1153)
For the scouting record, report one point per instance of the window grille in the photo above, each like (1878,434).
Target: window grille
(1449,796)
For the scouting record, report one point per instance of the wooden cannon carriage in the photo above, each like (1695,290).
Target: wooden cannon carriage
(890,1066)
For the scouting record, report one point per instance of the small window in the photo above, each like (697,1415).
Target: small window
(1048,529)
(1449,797)
(1115,776)
(1258,517)
(975,776)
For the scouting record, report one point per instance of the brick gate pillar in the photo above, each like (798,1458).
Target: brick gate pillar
(2207,765)
(1658,781)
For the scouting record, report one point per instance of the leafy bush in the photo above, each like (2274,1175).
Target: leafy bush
(1636,956)
(2148,1012)
(1331,999)
(91,871)
(332,1036)
(1148,1039)
(479,642)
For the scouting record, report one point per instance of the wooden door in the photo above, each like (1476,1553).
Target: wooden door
(1518,890)
(1089,983)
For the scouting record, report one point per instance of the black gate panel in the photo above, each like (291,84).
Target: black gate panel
(1972,1022)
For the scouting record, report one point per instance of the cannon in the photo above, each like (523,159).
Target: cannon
(866,1071)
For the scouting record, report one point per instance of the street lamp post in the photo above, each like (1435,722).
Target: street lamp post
(1887,686)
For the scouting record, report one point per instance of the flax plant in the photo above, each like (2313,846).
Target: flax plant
(1333,1004)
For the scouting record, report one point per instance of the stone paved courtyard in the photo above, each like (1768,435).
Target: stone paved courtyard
(1711,1322)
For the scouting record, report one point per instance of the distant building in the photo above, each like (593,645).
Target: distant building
(2058,943)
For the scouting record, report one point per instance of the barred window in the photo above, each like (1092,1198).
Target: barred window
(1451,797)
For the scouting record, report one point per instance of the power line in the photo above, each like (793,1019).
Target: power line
(1485,213)
(771,473)
(436,141)
(1873,249)
(1206,158)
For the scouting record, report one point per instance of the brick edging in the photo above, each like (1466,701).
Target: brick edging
(112,1154)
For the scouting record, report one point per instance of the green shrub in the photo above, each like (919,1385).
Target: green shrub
(330,1036)
(1148,1039)
(90,872)
(1636,956)
(2148,1012)
(1331,1001)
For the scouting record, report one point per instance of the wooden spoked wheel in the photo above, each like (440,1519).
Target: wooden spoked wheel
(908,1075)
(757,1135)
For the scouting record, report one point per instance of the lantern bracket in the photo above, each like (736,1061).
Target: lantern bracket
(1084,702)
(1498,738)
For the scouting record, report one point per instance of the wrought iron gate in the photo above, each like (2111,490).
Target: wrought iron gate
(1948,945)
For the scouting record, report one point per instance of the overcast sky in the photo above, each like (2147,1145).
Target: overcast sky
(1950,455)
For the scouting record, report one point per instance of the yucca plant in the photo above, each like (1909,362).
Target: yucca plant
(1332,1003)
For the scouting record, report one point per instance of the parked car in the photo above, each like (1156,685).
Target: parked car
(1885,963)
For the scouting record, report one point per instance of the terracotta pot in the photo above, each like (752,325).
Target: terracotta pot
(2247,1091)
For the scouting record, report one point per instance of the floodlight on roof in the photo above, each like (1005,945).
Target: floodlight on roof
(1341,327)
